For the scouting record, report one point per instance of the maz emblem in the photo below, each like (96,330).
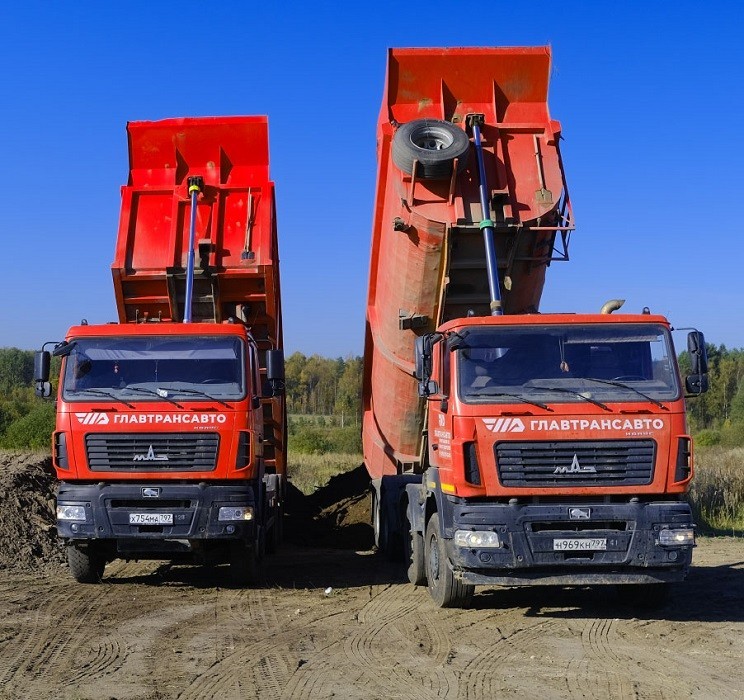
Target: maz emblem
(575,468)
(150,457)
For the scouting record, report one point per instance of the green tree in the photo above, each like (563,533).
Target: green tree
(349,396)
(33,431)
(16,368)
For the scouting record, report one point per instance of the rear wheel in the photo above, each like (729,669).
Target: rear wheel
(375,510)
(444,588)
(86,565)
(379,524)
(414,553)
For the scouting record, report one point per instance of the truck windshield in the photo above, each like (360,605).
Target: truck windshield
(558,364)
(128,369)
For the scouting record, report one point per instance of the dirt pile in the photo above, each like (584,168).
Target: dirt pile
(28,536)
(336,515)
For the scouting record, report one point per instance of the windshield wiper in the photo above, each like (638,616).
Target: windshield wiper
(627,386)
(196,392)
(100,392)
(575,393)
(152,392)
(486,392)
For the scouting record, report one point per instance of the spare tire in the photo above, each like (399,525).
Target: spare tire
(434,144)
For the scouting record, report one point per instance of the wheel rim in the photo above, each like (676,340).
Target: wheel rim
(431,138)
(433,559)
(376,519)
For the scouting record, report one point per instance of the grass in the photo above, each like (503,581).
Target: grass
(717,494)
(308,472)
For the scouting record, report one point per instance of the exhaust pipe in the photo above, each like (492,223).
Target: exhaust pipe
(612,305)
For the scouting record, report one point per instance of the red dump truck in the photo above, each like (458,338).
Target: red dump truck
(505,446)
(170,432)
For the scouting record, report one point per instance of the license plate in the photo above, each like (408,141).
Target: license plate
(580,544)
(151,518)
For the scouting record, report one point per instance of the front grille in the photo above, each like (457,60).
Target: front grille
(148,452)
(575,463)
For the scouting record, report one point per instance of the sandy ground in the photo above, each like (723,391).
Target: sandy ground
(338,622)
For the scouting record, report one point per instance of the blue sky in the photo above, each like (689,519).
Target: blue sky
(650,96)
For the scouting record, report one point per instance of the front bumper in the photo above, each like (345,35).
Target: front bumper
(527,555)
(194,507)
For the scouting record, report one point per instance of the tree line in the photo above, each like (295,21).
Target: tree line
(324,401)
(717,417)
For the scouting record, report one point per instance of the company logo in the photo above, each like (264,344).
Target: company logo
(150,492)
(575,468)
(150,457)
(441,420)
(504,425)
(92,418)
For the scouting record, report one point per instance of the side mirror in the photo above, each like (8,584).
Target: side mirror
(698,353)
(275,371)
(43,390)
(428,388)
(42,363)
(422,364)
(697,382)
(419,353)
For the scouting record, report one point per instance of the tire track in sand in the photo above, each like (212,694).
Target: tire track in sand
(388,644)
(489,674)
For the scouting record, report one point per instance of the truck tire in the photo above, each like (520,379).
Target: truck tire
(244,564)
(434,144)
(414,554)
(378,524)
(444,588)
(86,566)
(387,538)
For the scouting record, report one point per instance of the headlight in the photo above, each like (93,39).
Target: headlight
(229,513)
(475,539)
(676,538)
(71,513)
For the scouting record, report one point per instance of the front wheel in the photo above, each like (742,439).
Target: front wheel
(444,588)
(86,565)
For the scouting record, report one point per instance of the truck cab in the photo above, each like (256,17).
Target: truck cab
(170,436)
(549,438)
